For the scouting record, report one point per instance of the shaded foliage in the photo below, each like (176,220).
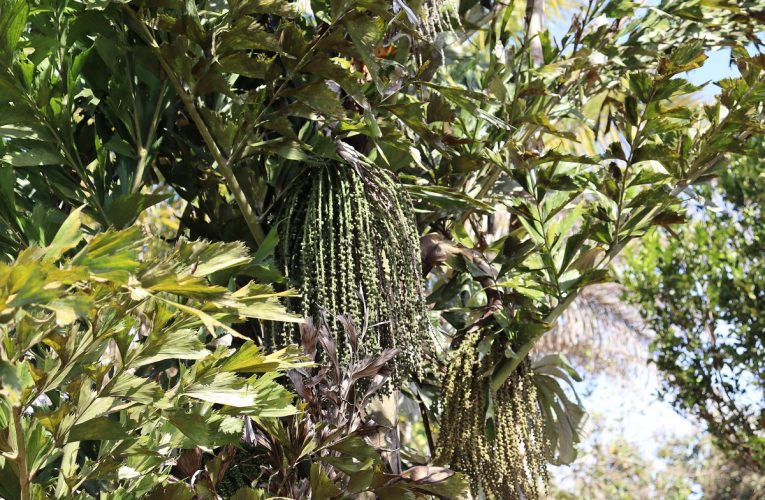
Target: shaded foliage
(322,452)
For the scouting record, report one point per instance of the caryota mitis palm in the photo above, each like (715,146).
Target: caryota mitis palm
(307,129)
(520,221)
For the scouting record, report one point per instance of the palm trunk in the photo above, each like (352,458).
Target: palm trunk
(535,25)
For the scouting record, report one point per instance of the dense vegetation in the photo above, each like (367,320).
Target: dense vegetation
(144,352)
(709,344)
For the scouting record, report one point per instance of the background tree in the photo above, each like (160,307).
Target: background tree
(601,333)
(700,289)
(612,467)
(499,289)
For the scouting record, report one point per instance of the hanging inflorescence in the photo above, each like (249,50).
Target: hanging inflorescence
(437,17)
(349,243)
(510,465)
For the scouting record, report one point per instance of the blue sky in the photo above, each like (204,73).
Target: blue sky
(715,68)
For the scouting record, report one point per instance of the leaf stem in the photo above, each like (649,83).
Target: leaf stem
(21,454)
(224,165)
(143,151)
(426,424)
(68,465)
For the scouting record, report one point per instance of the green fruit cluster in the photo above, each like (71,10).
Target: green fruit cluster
(351,246)
(510,460)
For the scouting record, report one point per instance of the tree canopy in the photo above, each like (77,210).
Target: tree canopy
(700,289)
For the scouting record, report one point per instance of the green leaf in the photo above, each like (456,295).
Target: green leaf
(266,249)
(125,209)
(631,110)
(7,192)
(282,8)
(686,57)
(172,491)
(545,123)
(210,257)
(318,96)
(26,284)
(174,344)
(78,64)
(208,430)
(437,481)
(247,34)
(68,309)
(445,197)
(13,20)
(14,379)
(247,493)
(134,388)
(112,255)
(34,154)
(67,237)
(366,34)
(619,8)
(262,303)
(249,358)
(356,447)
(98,429)
(564,418)
(39,443)
(358,481)
(273,400)
(641,84)
(286,148)
(271,310)
(207,320)
(225,389)
(557,360)
(251,66)
(189,286)
(322,487)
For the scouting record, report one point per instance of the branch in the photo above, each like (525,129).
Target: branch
(426,425)
(535,24)
(252,220)
(21,454)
